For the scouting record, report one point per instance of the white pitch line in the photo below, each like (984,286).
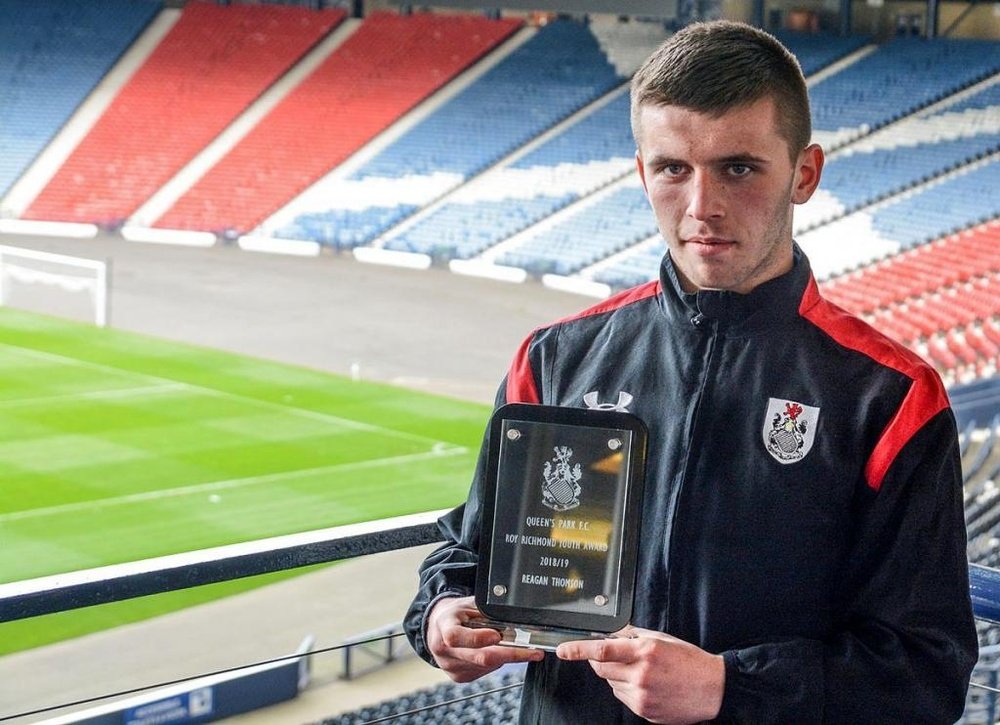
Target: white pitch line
(304,412)
(110,393)
(437,452)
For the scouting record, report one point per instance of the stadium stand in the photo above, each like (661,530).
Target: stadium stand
(559,70)
(908,153)
(379,73)
(977,408)
(816,51)
(901,77)
(612,222)
(211,65)
(54,54)
(493,699)
(942,206)
(502,202)
(591,153)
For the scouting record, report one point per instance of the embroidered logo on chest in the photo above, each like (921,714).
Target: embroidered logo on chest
(789,429)
(592,401)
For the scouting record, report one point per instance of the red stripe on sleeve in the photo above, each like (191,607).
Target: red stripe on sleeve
(520,380)
(925,399)
(521,387)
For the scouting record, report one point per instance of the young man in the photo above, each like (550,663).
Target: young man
(802,555)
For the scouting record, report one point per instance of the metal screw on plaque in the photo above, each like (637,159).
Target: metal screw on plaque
(513,434)
(499,590)
(600,600)
(614,444)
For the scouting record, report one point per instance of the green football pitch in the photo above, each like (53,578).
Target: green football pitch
(116,447)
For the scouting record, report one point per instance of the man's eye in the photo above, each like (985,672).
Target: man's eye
(740,169)
(673,169)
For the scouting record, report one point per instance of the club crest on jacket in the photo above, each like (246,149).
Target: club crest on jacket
(789,429)
(561,488)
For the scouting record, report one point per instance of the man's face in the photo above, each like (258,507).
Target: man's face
(722,189)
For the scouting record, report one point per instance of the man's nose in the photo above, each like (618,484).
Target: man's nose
(704,196)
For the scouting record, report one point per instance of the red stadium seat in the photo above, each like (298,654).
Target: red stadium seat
(388,66)
(209,68)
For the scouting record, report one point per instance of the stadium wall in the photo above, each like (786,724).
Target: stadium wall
(869,17)
(978,21)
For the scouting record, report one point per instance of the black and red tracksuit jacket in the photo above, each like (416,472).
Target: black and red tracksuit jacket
(802,511)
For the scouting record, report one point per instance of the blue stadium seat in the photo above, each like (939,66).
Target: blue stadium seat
(54,54)
(550,76)
(899,78)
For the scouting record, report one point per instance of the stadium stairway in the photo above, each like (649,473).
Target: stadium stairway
(211,65)
(387,67)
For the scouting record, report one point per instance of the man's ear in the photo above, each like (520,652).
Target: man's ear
(642,170)
(809,168)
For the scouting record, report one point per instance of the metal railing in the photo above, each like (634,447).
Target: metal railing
(63,592)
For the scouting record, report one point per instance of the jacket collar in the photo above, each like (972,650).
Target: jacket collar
(767,305)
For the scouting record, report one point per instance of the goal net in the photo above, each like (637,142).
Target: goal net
(54,284)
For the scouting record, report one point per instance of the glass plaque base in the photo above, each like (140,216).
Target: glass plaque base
(534,637)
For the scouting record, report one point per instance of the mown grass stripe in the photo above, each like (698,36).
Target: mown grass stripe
(315,415)
(108,394)
(81,506)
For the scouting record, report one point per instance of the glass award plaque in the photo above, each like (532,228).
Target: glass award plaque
(560,523)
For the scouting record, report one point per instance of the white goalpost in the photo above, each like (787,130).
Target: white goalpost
(28,279)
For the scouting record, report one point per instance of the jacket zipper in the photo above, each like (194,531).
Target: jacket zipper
(691,433)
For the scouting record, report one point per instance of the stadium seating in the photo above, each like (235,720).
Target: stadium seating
(493,699)
(54,54)
(589,154)
(941,299)
(945,205)
(611,223)
(388,66)
(901,77)
(954,260)
(816,51)
(211,65)
(555,73)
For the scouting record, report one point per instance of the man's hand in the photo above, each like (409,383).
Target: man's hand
(658,677)
(466,654)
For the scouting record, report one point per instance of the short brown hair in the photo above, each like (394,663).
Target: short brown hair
(717,66)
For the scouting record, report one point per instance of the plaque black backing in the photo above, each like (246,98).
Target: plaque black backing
(532,558)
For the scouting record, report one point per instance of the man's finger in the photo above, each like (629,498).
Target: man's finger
(492,657)
(598,650)
(613,672)
(459,636)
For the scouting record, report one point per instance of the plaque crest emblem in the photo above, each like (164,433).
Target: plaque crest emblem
(789,429)
(561,489)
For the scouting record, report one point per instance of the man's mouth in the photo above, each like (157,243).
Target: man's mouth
(708,246)
(710,241)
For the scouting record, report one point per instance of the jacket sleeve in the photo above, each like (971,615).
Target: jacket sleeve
(450,570)
(904,642)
